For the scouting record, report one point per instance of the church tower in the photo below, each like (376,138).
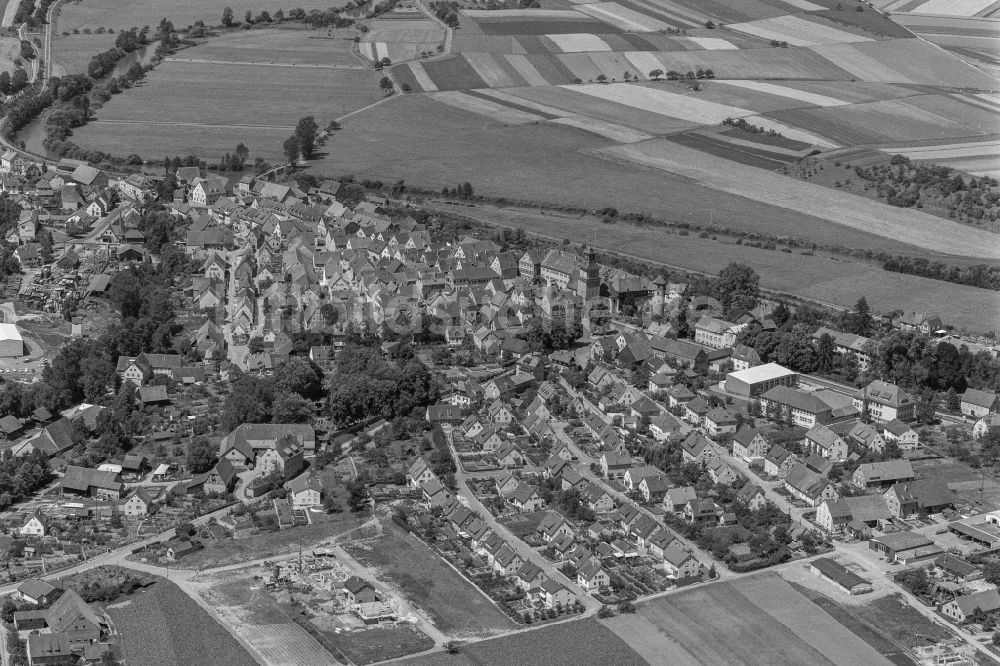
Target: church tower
(588,285)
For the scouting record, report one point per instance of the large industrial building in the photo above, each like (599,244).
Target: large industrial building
(753,381)
(11,342)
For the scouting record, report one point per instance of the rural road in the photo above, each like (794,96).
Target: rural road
(9,12)
(180,124)
(22,34)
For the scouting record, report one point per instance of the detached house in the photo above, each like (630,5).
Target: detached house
(808,486)
(749,444)
(419,473)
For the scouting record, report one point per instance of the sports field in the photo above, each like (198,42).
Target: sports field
(758,620)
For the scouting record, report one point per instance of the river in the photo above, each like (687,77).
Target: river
(33,134)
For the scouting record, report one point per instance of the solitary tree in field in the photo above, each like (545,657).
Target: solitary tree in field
(386,85)
(305,135)
(291,147)
(601,78)
(227,17)
(656,74)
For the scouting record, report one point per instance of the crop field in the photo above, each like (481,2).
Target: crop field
(401,39)
(905,61)
(72,53)
(758,620)
(304,47)
(539,26)
(220,94)
(926,116)
(378,643)
(205,109)
(162,626)
(456,606)
(565,644)
(798,31)
(622,17)
(254,615)
(498,112)
(456,72)
(544,163)
(208,141)
(738,150)
(966,8)
(910,226)
(124,15)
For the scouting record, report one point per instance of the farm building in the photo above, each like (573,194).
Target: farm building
(11,342)
(836,573)
(904,547)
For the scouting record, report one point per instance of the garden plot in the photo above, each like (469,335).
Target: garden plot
(498,112)
(578,43)
(623,17)
(784,91)
(909,226)
(797,31)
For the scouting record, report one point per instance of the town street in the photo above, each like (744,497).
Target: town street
(469,499)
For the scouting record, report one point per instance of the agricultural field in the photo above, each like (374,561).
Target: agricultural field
(203,107)
(162,626)
(10,50)
(251,613)
(379,643)
(93,14)
(757,620)
(279,46)
(72,53)
(401,39)
(911,226)
(565,644)
(456,607)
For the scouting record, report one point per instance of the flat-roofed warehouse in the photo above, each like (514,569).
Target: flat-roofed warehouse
(11,342)
(753,381)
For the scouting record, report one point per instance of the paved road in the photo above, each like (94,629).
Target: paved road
(117,557)
(469,499)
